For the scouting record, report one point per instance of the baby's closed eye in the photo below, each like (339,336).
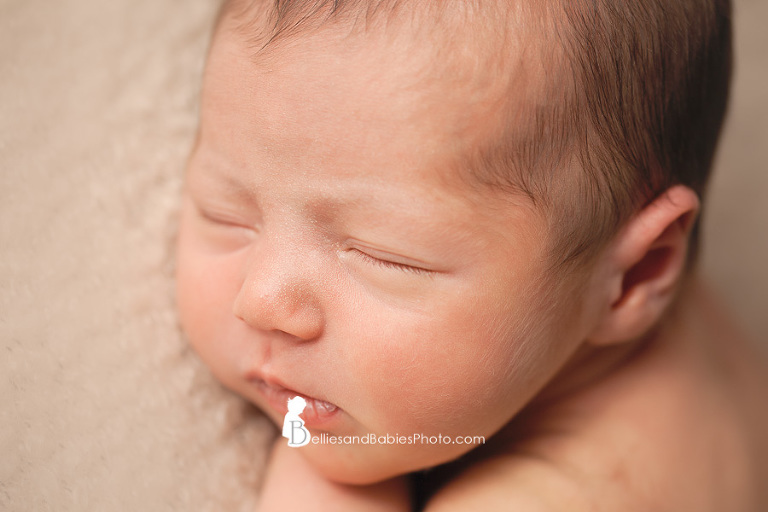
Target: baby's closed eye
(389,262)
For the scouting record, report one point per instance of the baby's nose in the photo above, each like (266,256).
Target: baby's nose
(278,294)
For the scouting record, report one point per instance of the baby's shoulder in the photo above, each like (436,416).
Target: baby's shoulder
(659,436)
(511,482)
(641,463)
(558,473)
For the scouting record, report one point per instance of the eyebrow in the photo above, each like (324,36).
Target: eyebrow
(209,170)
(211,173)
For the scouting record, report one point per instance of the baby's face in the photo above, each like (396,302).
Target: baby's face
(329,249)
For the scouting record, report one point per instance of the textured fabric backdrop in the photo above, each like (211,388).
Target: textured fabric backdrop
(102,405)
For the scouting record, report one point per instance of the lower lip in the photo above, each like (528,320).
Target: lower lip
(317,412)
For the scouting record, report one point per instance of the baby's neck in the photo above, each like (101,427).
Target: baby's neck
(696,338)
(594,367)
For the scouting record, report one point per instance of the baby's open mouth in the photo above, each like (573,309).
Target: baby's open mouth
(315,413)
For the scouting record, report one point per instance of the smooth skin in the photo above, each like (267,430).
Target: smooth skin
(328,245)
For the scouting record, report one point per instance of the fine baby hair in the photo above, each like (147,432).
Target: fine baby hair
(467,220)
(611,103)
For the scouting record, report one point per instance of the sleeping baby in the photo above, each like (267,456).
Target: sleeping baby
(464,233)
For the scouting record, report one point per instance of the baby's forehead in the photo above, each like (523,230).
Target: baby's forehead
(475,45)
(480,72)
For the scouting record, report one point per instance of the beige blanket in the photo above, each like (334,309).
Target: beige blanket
(102,405)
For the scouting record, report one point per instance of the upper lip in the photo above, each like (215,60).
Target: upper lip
(254,375)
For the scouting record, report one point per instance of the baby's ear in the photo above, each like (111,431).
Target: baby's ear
(645,263)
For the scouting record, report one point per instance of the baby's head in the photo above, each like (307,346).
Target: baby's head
(417,215)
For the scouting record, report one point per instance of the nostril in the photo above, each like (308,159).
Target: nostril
(292,311)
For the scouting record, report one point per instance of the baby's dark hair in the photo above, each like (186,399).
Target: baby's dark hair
(632,102)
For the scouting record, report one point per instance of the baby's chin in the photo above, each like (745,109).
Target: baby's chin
(365,464)
(351,465)
(370,464)
(344,464)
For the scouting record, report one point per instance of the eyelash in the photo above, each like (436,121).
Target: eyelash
(215,219)
(391,264)
(370,259)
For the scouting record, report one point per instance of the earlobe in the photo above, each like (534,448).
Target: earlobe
(646,263)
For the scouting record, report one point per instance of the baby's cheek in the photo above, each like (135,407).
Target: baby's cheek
(431,384)
(197,295)
(190,299)
(206,285)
